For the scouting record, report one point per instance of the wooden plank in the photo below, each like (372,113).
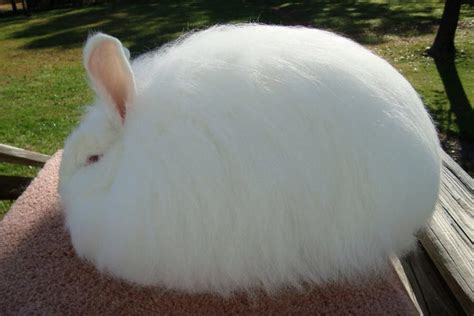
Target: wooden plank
(456,169)
(448,238)
(431,291)
(405,279)
(415,286)
(16,155)
(11,187)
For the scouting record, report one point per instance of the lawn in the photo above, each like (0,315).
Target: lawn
(43,87)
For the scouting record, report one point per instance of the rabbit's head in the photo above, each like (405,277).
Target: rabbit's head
(93,150)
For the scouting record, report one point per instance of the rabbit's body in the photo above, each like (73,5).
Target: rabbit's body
(252,156)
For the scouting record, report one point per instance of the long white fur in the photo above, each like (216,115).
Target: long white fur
(252,156)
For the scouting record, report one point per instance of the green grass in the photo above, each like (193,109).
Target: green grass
(43,87)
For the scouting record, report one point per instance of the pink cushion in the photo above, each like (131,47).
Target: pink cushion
(39,273)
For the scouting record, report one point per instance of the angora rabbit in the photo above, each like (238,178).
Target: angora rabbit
(247,156)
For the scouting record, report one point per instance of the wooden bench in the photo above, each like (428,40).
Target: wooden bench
(439,273)
(11,187)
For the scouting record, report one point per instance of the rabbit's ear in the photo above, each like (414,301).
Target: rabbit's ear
(109,71)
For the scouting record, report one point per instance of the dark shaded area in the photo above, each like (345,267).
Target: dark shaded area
(51,4)
(29,6)
(463,112)
(459,103)
(147,25)
(11,187)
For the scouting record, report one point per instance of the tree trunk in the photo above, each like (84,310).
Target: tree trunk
(443,46)
(13,2)
(26,10)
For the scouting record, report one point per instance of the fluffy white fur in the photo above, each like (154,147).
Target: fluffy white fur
(249,156)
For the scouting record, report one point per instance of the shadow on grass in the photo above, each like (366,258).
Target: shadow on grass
(459,103)
(461,108)
(147,25)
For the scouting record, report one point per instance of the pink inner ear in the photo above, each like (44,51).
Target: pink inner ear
(110,72)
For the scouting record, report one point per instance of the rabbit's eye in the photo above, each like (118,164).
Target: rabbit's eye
(93,158)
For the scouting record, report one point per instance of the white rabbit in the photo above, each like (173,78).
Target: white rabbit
(247,156)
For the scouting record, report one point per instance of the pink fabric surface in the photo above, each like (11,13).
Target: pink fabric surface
(40,274)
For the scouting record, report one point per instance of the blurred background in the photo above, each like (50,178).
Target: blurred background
(43,86)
